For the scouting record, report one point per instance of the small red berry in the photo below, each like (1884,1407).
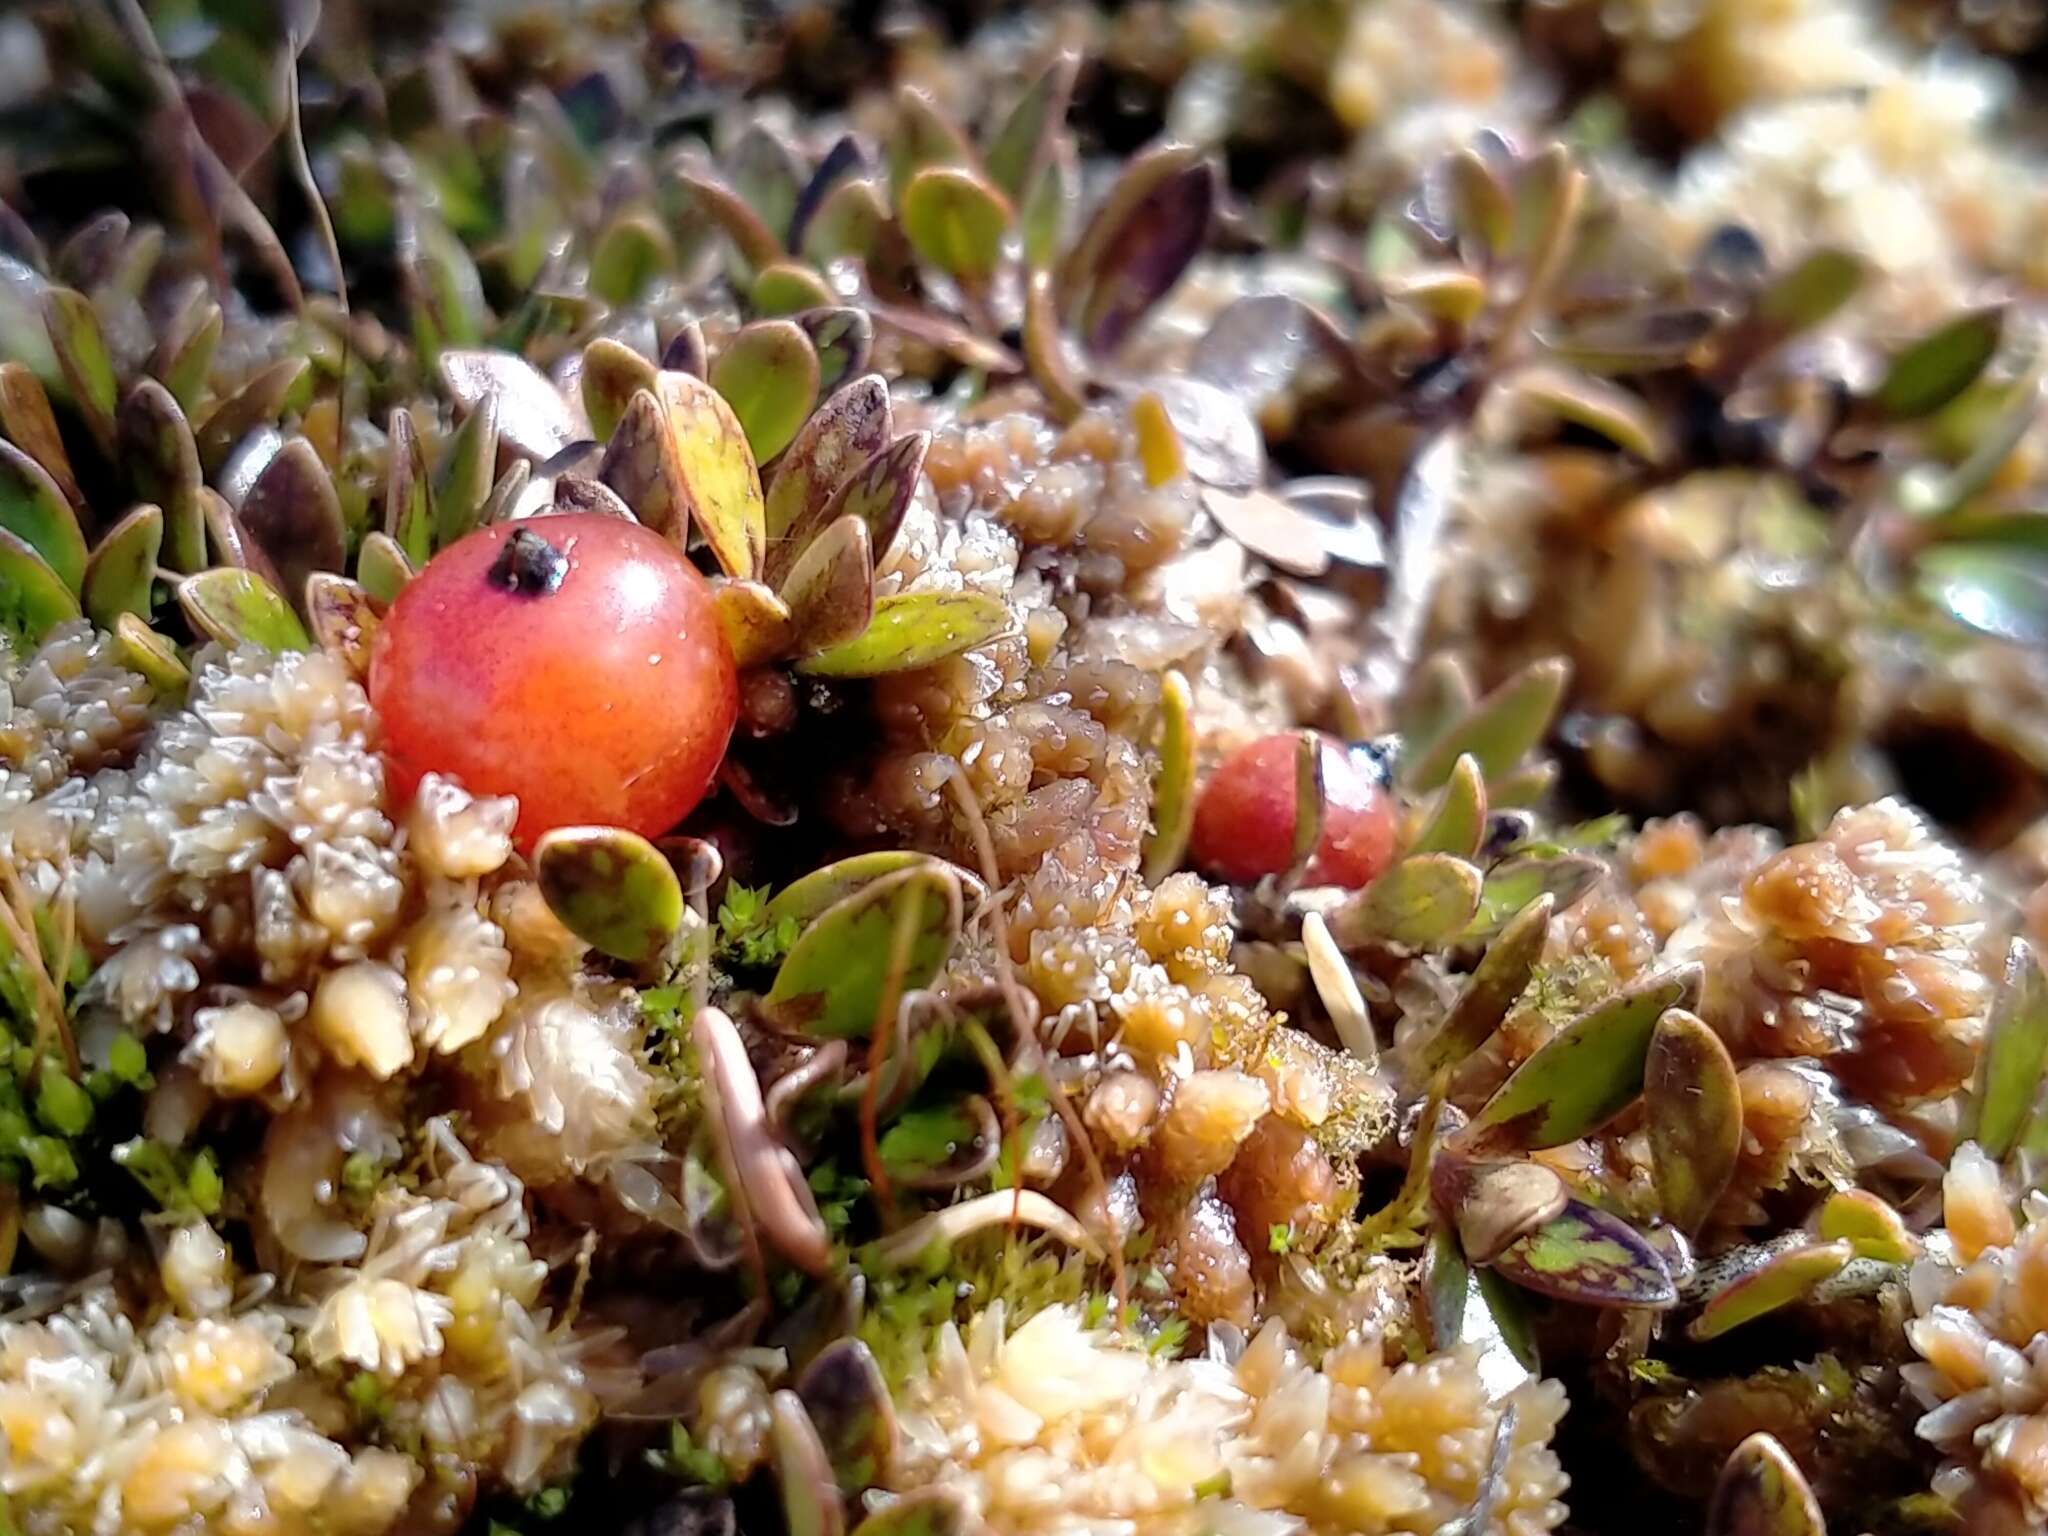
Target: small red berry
(1244,817)
(575,661)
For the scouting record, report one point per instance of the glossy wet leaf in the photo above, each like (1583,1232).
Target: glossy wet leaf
(34,510)
(922,134)
(1589,1071)
(81,351)
(1995,591)
(408,492)
(915,629)
(881,490)
(1419,902)
(851,221)
(847,1399)
(1497,981)
(768,373)
(2009,1072)
(788,288)
(640,466)
(292,511)
(239,607)
(259,401)
(830,589)
(1868,1225)
(533,418)
(612,372)
(382,567)
(467,469)
(33,598)
(1173,784)
(1151,225)
(809,895)
(1513,883)
(955,221)
(629,256)
(843,338)
(1457,823)
(851,427)
(1762,1492)
(342,619)
(185,367)
(756,244)
(1501,728)
(721,487)
(145,651)
(1495,1204)
(834,978)
(811,1503)
(1692,1111)
(1589,1258)
(1784,1278)
(756,622)
(122,571)
(28,422)
(163,464)
(611,888)
(1940,366)
(1017,150)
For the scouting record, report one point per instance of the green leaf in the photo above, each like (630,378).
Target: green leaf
(81,351)
(842,435)
(1173,785)
(803,899)
(1590,1258)
(1809,292)
(768,373)
(2009,1071)
(853,220)
(144,650)
(755,243)
(766,174)
(1458,823)
(239,607)
(837,972)
(33,598)
(847,1400)
(915,629)
(1784,1278)
(1692,1109)
(1589,1071)
(632,252)
(1761,1492)
(408,493)
(1419,902)
(611,888)
(757,623)
(163,464)
(923,1141)
(955,221)
(1996,591)
(1018,148)
(462,480)
(843,338)
(881,490)
(382,568)
(122,570)
(33,509)
(1868,1225)
(1513,883)
(789,288)
(720,485)
(1502,975)
(188,366)
(1501,728)
(612,372)
(921,135)
(26,418)
(1941,365)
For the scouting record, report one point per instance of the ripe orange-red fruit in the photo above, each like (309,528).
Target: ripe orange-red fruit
(1244,816)
(575,661)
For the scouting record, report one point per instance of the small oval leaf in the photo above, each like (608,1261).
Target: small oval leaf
(1173,785)
(1762,1492)
(1692,1109)
(533,418)
(721,487)
(259,402)
(1502,727)
(1502,975)
(756,622)
(1458,823)
(831,588)
(238,607)
(1784,1278)
(408,493)
(807,896)
(915,629)
(1150,226)
(788,288)
(1867,1224)
(122,570)
(1018,148)
(342,620)
(34,510)
(612,372)
(768,373)
(382,568)
(843,338)
(293,513)
(879,493)
(26,418)
(811,1502)
(163,464)
(956,221)
(847,1399)
(833,981)
(463,479)
(81,350)
(33,598)
(1589,1071)
(845,432)
(144,650)
(611,888)
(1941,365)
(1590,1258)
(1421,901)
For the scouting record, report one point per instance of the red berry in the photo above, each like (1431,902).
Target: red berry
(1244,818)
(575,661)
